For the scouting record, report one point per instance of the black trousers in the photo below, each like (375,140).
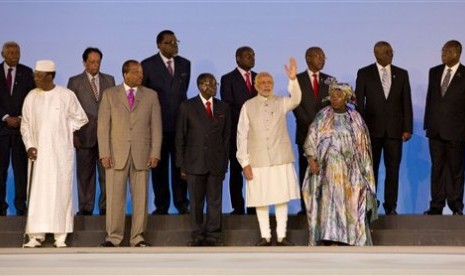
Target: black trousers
(303,166)
(447,176)
(160,178)
(392,150)
(87,164)
(206,187)
(12,147)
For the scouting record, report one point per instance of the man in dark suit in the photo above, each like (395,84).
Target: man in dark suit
(236,88)
(88,87)
(445,128)
(168,74)
(385,103)
(16,80)
(314,91)
(202,147)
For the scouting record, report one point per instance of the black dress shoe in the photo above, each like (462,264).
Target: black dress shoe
(160,212)
(20,213)
(195,242)
(213,243)
(457,213)
(142,244)
(84,213)
(432,212)
(391,213)
(107,244)
(237,212)
(285,242)
(263,242)
(251,211)
(183,211)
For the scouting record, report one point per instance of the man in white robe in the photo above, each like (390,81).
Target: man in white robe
(51,114)
(265,153)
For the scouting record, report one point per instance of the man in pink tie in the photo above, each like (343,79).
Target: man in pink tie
(129,136)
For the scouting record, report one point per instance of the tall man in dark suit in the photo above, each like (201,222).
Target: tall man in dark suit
(385,103)
(16,80)
(168,74)
(445,128)
(236,88)
(314,91)
(88,87)
(202,147)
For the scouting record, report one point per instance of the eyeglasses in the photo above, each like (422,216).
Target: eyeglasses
(212,84)
(174,42)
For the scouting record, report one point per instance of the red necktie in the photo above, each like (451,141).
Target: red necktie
(248,82)
(9,80)
(209,109)
(315,85)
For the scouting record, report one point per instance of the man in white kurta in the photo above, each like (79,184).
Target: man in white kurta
(51,114)
(265,153)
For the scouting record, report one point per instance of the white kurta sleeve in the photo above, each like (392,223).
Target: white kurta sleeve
(295,95)
(77,115)
(242,153)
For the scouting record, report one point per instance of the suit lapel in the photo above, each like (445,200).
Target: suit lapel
(377,78)
(455,80)
(200,108)
(123,97)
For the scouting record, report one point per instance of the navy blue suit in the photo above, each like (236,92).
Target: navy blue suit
(202,147)
(10,138)
(386,120)
(172,90)
(234,92)
(305,113)
(445,127)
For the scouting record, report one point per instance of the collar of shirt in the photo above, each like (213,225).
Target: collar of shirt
(310,74)
(13,72)
(452,72)
(204,101)
(165,60)
(380,68)
(89,76)
(242,71)
(127,87)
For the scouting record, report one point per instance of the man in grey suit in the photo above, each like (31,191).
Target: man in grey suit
(129,135)
(88,87)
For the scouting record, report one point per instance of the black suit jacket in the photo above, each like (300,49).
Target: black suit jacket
(234,92)
(13,104)
(309,106)
(445,116)
(202,144)
(390,116)
(172,90)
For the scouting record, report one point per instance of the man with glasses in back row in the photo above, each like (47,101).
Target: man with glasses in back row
(168,74)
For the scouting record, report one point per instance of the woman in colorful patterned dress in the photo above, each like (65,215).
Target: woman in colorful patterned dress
(339,189)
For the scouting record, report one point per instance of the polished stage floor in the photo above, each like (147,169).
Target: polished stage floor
(299,260)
